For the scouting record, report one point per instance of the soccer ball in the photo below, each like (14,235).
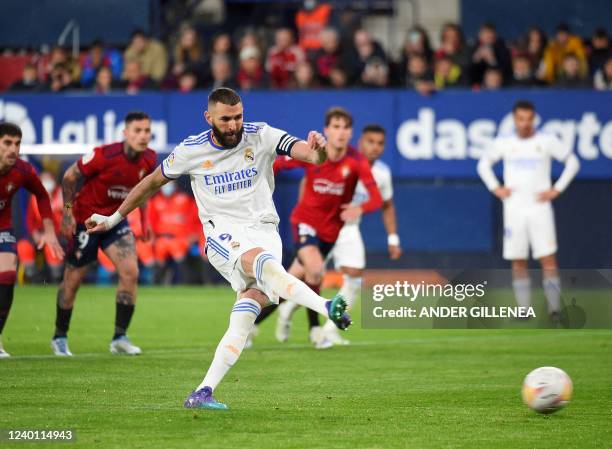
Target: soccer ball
(547,389)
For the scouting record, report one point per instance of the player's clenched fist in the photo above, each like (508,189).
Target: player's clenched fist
(317,142)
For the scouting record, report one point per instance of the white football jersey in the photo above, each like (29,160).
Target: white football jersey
(527,163)
(234,183)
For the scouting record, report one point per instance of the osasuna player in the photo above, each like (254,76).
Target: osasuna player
(527,194)
(327,204)
(107,175)
(230,166)
(348,253)
(14,174)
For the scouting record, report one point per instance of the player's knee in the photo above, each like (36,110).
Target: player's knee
(352,272)
(256,295)
(129,273)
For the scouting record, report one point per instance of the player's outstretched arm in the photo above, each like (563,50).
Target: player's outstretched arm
(311,151)
(137,196)
(390,221)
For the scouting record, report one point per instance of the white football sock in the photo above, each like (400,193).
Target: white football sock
(552,291)
(350,289)
(270,273)
(522,291)
(230,347)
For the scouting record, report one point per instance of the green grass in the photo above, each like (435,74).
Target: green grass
(388,389)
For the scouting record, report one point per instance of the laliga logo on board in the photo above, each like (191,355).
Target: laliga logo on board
(83,130)
(18,114)
(451,139)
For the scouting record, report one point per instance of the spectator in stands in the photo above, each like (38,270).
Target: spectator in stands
(222,46)
(134,80)
(564,43)
(304,77)
(97,57)
(600,49)
(283,58)
(417,43)
(571,75)
(338,78)
(447,74)
(251,74)
(375,73)
(534,51)
(419,76)
(60,56)
(221,71)
(187,82)
(452,45)
(188,55)
(493,79)
(105,81)
(29,80)
(364,50)
(151,55)
(60,79)
(328,56)
(310,21)
(522,72)
(489,52)
(603,77)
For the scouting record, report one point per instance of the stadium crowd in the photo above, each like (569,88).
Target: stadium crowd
(317,51)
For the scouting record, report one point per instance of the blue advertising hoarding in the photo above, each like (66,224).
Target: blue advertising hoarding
(442,135)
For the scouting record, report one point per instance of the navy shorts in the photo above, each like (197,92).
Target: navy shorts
(304,235)
(8,242)
(83,249)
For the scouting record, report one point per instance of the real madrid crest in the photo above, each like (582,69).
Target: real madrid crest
(249,156)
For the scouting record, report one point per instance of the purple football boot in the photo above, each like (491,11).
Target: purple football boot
(203,398)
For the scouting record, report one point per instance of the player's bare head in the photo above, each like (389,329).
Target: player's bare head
(137,130)
(338,127)
(225,116)
(524,118)
(10,141)
(372,141)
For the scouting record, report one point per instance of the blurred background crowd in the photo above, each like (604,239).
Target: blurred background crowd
(309,45)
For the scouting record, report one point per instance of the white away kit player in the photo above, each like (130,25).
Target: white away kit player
(527,194)
(230,166)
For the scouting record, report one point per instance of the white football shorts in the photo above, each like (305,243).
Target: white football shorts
(529,226)
(349,250)
(226,242)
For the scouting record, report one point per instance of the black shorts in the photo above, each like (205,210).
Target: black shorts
(8,242)
(83,249)
(304,235)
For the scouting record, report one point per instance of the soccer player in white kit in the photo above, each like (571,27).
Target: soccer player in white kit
(230,166)
(348,253)
(527,195)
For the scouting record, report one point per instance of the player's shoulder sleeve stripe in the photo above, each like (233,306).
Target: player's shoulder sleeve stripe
(285,144)
(198,139)
(253,128)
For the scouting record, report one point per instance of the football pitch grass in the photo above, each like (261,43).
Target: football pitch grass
(388,389)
